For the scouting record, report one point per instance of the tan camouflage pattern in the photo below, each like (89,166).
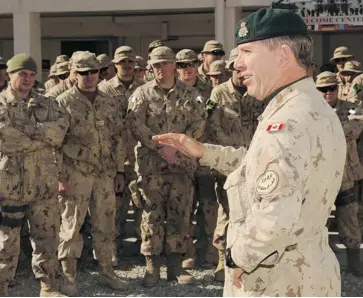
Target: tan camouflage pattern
(93,144)
(203,75)
(204,89)
(30,133)
(149,74)
(152,111)
(356,90)
(279,205)
(49,84)
(220,232)
(60,88)
(93,192)
(166,198)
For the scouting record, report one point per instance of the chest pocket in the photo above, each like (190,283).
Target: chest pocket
(236,188)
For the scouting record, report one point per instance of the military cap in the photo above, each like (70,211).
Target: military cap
(61,59)
(186,56)
(84,60)
(140,63)
(351,66)
(21,61)
(269,23)
(104,60)
(326,79)
(62,68)
(232,58)
(216,68)
(2,62)
(212,45)
(52,70)
(341,53)
(161,54)
(155,44)
(124,52)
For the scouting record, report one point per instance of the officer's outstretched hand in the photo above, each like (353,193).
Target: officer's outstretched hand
(181,142)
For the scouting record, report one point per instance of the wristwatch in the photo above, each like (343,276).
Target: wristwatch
(229,261)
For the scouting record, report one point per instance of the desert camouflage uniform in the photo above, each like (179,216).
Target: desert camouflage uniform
(115,89)
(356,90)
(60,88)
(203,75)
(279,203)
(30,132)
(166,189)
(93,152)
(149,74)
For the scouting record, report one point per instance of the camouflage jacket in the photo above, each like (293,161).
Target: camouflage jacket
(353,170)
(121,94)
(233,118)
(149,75)
(203,76)
(356,91)
(93,143)
(30,133)
(60,88)
(204,89)
(153,111)
(49,84)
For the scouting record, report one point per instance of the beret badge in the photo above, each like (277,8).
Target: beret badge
(243,31)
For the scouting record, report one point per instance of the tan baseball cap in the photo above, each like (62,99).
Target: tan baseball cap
(62,68)
(326,79)
(140,63)
(61,59)
(351,66)
(84,60)
(161,54)
(186,56)
(341,53)
(212,45)
(124,52)
(232,58)
(216,68)
(104,60)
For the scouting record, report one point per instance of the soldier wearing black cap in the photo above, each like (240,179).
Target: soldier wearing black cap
(282,188)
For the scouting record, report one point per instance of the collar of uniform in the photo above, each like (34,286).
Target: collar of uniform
(284,94)
(12,97)
(177,84)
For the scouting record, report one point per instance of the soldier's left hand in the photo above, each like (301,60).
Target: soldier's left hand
(236,277)
(119,182)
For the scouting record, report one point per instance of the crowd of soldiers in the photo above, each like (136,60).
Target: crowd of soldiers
(78,150)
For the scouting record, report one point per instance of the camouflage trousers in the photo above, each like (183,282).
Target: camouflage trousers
(93,193)
(346,215)
(169,198)
(43,219)
(220,233)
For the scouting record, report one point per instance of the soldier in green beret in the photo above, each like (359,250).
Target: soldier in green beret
(281,189)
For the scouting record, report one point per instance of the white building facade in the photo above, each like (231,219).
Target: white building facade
(48,28)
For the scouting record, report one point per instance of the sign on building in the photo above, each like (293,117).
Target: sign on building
(326,15)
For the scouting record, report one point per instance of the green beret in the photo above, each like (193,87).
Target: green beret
(21,61)
(268,23)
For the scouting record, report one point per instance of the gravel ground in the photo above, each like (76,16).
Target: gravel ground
(133,269)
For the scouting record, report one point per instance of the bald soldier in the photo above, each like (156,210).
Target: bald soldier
(212,51)
(159,106)
(120,88)
(346,203)
(93,170)
(32,127)
(277,241)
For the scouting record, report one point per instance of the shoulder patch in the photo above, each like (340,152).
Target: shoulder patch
(267,182)
(275,127)
(211,104)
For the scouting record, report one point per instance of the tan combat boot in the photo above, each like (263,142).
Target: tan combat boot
(175,271)
(211,256)
(152,274)
(108,277)
(48,288)
(4,289)
(68,285)
(189,258)
(219,272)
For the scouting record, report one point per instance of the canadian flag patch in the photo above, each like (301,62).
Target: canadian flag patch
(275,127)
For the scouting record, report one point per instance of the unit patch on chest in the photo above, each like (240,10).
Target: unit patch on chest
(267,182)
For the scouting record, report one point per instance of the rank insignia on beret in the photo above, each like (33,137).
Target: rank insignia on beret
(275,127)
(243,31)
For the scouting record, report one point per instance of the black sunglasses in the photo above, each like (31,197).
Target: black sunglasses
(87,72)
(340,60)
(63,76)
(327,89)
(186,65)
(218,53)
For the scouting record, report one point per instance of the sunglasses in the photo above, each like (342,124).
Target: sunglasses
(87,72)
(217,53)
(341,60)
(126,61)
(327,89)
(186,65)
(63,76)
